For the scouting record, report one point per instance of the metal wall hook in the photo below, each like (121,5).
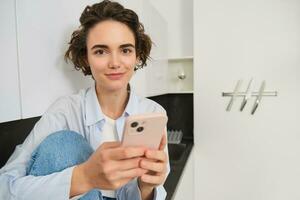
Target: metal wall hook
(237,86)
(247,96)
(258,99)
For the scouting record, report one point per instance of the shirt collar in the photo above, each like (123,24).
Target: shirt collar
(131,106)
(94,113)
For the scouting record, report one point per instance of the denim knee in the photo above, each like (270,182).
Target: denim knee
(94,194)
(58,151)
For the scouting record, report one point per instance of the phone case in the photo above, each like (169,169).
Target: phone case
(144,130)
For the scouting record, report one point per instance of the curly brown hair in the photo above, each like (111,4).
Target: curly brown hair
(106,10)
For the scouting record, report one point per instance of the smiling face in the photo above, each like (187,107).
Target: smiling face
(111,55)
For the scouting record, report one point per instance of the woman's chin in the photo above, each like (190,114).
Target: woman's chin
(117,87)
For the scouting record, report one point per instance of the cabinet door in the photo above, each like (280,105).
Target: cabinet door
(9,82)
(44,29)
(156,71)
(179,17)
(185,187)
(239,155)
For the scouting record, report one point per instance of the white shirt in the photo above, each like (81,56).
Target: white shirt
(81,113)
(109,134)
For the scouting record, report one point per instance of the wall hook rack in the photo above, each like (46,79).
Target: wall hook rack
(247,95)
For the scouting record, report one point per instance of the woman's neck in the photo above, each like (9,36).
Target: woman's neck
(112,103)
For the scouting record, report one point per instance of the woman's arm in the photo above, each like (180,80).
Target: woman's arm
(13,180)
(110,167)
(15,184)
(53,186)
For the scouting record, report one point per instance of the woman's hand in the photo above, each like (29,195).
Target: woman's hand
(155,162)
(109,167)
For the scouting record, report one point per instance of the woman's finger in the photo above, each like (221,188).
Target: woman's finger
(106,145)
(158,155)
(122,153)
(131,173)
(153,179)
(158,167)
(122,165)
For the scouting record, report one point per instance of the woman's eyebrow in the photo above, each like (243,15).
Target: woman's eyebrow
(127,45)
(103,46)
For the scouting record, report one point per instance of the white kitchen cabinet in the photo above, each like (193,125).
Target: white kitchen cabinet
(185,186)
(178,15)
(156,72)
(180,75)
(10,108)
(239,155)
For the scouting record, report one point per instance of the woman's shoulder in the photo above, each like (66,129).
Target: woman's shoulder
(68,102)
(146,105)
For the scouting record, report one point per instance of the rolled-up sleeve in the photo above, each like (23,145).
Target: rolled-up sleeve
(15,184)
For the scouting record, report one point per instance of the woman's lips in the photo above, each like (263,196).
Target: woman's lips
(115,76)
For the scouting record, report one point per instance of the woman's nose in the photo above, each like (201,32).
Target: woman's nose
(114,61)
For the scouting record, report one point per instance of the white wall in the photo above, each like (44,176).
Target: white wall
(239,155)
(9,81)
(44,29)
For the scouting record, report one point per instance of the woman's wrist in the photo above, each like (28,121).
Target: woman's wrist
(80,182)
(147,191)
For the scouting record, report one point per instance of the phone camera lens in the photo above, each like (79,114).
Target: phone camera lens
(134,124)
(140,129)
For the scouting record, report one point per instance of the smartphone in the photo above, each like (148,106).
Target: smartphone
(144,130)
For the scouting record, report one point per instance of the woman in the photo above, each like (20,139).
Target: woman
(74,152)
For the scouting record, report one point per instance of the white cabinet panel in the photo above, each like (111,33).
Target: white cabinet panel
(185,187)
(44,29)
(156,72)
(156,78)
(173,40)
(9,81)
(239,155)
(179,17)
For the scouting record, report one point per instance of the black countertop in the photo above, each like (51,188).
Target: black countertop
(177,168)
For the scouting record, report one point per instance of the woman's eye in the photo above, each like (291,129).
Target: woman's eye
(99,52)
(126,51)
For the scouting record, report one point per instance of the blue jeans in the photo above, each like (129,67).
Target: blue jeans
(59,151)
